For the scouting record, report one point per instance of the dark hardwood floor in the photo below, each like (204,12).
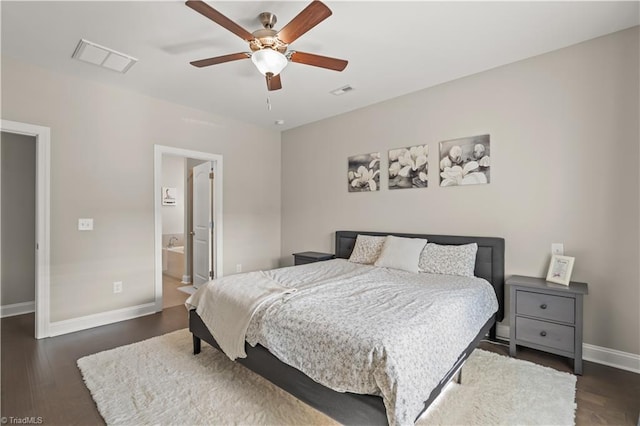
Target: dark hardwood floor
(40,377)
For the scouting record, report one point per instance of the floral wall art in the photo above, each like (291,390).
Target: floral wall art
(364,172)
(465,161)
(408,167)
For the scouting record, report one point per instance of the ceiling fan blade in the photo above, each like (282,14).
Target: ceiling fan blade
(273,82)
(217,17)
(319,61)
(311,16)
(220,59)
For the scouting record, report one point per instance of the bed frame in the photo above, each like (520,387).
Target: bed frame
(350,408)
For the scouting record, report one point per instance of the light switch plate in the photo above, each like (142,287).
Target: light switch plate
(557,248)
(85,224)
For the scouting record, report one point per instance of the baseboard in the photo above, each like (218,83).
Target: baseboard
(502,332)
(611,357)
(103,318)
(186,279)
(17,309)
(605,356)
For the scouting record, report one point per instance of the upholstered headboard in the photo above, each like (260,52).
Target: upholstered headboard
(489,259)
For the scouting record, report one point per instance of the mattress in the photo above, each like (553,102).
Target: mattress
(370,330)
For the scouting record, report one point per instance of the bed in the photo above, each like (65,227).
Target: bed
(356,408)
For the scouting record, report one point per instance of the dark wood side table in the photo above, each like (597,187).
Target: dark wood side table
(310,257)
(547,317)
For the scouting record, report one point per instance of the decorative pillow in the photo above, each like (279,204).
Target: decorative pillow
(449,260)
(401,253)
(367,249)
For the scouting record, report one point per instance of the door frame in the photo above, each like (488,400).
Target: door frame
(43,219)
(216,159)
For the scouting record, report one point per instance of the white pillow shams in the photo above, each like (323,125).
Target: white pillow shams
(367,249)
(449,260)
(401,253)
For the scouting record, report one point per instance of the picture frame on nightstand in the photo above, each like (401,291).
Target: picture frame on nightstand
(560,269)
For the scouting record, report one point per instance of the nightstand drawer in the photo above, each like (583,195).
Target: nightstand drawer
(546,334)
(545,306)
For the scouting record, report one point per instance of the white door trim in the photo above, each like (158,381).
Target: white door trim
(159,150)
(43,224)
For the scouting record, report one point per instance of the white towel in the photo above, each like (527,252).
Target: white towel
(226,306)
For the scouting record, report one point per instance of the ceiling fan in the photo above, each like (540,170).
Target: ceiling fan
(270,48)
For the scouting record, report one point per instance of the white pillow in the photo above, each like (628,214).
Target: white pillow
(449,260)
(401,253)
(367,249)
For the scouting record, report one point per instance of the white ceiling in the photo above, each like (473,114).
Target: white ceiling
(393,48)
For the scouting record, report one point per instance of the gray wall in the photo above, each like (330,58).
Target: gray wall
(102,154)
(18,214)
(564,152)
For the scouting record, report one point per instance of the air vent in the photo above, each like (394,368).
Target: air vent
(342,90)
(93,53)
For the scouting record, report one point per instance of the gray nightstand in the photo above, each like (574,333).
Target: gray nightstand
(547,317)
(310,257)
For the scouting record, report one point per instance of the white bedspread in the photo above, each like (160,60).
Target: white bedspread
(372,330)
(232,301)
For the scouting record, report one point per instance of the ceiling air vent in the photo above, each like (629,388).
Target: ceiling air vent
(342,90)
(93,53)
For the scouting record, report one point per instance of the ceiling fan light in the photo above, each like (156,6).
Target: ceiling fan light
(269,61)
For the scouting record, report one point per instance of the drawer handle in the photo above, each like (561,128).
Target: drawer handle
(543,306)
(543,333)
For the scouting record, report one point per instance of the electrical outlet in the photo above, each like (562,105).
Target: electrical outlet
(239,267)
(557,248)
(85,224)
(117,286)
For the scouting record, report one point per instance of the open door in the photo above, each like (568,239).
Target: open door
(203,225)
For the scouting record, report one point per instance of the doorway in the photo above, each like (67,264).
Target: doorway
(188,222)
(41,243)
(17,224)
(174,238)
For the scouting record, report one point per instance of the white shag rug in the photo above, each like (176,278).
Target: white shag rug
(160,382)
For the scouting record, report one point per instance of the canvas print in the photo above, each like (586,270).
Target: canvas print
(408,167)
(364,172)
(168,196)
(465,161)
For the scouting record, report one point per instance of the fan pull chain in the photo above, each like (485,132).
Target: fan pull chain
(268,103)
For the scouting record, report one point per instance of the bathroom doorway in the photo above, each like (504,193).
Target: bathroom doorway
(174,206)
(188,222)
